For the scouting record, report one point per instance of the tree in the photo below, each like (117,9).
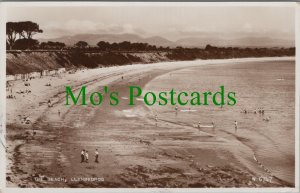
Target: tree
(102,45)
(114,46)
(81,45)
(11,33)
(27,29)
(52,45)
(125,45)
(23,44)
(208,47)
(152,47)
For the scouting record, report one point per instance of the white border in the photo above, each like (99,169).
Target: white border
(297,96)
(4,5)
(149,4)
(2,95)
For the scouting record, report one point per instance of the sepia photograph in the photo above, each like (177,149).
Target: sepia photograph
(150,95)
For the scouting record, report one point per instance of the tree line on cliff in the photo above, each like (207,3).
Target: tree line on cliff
(19,36)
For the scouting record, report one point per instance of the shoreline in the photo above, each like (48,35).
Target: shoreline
(111,77)
(118,71)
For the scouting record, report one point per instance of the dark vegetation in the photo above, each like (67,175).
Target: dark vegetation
(211,52)
(19,35)
(19,39)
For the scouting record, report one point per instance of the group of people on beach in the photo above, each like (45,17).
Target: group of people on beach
(25,119)
(9,89)
(10,96)
(212,123)
(258,110)
(85,156)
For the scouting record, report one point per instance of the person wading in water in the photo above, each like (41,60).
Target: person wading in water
(235,123)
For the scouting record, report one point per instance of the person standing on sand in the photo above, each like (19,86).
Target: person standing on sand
(96,156)
(156,119)
(82,155)
(235,123)
(49,103)
(199,124)
(86,157)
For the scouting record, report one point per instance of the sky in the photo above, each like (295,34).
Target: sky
(171,22)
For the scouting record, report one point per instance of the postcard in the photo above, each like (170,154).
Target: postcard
(149,97)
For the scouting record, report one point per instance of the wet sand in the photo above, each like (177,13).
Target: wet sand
(135,151)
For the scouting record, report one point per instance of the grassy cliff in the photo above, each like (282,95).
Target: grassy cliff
(25,62)
(21,62)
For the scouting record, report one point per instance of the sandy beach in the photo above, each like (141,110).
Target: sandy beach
(137,151)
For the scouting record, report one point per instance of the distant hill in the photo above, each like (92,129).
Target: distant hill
(93,39)
(239,42)
(159,41)
(200,42)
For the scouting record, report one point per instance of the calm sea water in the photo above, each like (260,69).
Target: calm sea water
(267,85)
